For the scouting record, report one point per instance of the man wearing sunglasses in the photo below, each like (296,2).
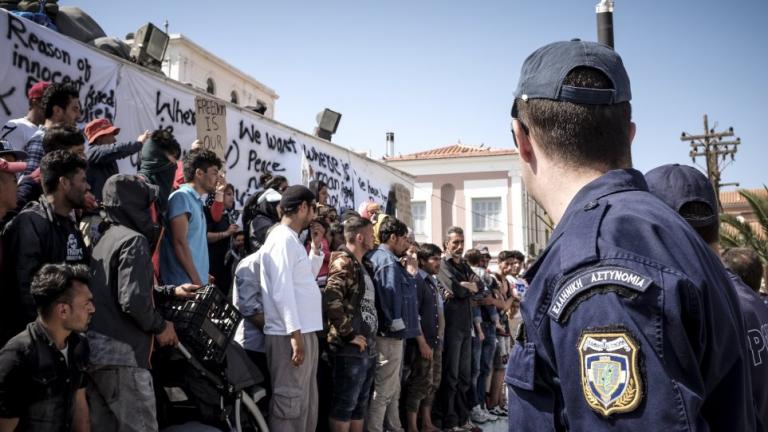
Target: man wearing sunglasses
(625,325)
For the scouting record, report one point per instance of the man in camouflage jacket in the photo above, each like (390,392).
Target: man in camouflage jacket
(350,312)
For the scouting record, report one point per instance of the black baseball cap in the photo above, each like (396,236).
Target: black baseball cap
(293,196)
(678,185)
(5,149)
(545,70)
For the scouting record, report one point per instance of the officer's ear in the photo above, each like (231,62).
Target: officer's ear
(523,140)
(632,131)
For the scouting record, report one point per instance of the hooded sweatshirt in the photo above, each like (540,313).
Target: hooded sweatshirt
(126,320)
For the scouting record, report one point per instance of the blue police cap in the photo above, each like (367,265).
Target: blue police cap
(678,185)
(545,70)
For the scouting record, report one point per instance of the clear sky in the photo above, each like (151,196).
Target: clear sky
(438,71)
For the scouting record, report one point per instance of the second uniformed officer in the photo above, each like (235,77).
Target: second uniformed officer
(626,325)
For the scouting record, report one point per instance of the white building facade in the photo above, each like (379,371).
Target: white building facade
(189,63)
(477,188)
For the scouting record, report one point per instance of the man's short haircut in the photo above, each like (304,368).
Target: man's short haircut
(57,164)
(264,178)
(474,257)
(348,213)
(53,285)
(199,159)
(353,226)
(745,262)
(581,135)
(391,226)
(62,137)
(427,251)
(505,255)
(454,230)
(166,142)
(58,95)
(324,210)
(336,228)
(275,182)
(238,233)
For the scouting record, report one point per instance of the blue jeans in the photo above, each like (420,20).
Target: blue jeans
(352,380)
(482,362)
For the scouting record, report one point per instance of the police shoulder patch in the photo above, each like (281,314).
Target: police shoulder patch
(610,374)
(592,278)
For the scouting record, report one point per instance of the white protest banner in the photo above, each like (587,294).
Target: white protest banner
(137,99)
(211,117)
(32,53)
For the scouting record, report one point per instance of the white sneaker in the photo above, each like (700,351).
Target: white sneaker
(478,415)
(498,412)
(490,416)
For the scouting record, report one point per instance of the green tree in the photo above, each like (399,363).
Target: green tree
(737,233)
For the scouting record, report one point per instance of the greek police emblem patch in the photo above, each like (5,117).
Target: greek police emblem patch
(610,379)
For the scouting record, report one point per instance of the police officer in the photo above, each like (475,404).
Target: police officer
(626,325)
(691,194)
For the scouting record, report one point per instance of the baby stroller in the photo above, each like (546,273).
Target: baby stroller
(207,379)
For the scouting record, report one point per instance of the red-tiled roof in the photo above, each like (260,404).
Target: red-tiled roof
(734,198)
(454,151)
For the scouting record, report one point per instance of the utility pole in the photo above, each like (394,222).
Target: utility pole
(715,150)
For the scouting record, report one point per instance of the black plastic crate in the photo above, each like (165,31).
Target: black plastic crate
(205,323)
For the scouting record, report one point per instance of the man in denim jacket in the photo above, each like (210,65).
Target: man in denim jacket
(397,309)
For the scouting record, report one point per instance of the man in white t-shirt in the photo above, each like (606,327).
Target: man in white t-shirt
(292,313)
(19,131)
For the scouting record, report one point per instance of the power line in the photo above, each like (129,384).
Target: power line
(715,150)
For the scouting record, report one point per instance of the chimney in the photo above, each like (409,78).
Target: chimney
(390,144)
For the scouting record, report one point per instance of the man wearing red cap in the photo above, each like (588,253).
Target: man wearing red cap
(18,131)
(104,151)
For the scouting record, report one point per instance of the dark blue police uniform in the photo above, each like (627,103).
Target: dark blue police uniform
(628,324)
(756,326)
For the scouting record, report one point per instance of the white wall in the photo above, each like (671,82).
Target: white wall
(519,238)
(423,192)
(485,189)
(188,63)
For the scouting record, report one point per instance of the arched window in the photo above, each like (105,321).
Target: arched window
(210,86)
(233,97)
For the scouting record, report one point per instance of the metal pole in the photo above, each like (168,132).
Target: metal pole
(604,11)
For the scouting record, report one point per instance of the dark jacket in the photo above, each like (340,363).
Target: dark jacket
(35,237)
(429,297)
(156,167)
(102,162)
(458,308)
(396,302)
(36,385)
(122,280)
(342,296)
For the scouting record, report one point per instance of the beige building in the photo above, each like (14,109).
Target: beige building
(189,63)
(735,204)
(478,189)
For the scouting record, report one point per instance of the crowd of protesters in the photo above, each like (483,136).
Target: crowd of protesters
(353,324)
(346,316)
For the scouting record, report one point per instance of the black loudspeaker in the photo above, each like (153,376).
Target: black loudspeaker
(327,123)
